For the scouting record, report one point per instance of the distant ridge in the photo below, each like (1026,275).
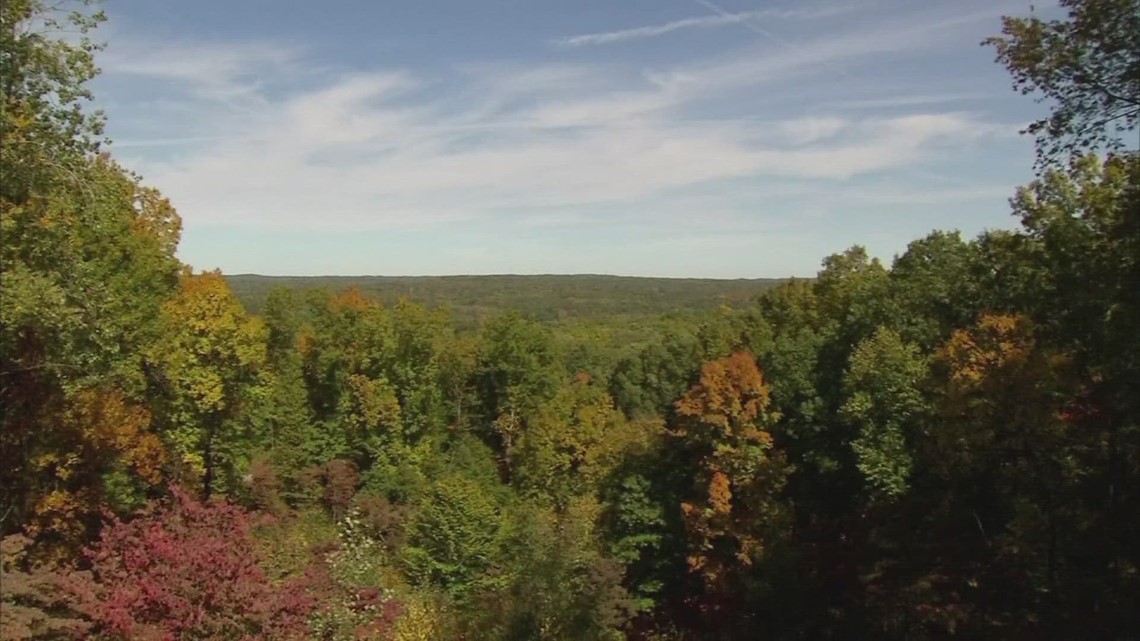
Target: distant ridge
(548,297)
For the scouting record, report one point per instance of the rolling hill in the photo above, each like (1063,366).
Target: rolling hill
(546,297)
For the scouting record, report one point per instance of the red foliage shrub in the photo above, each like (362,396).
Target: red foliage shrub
(187,570)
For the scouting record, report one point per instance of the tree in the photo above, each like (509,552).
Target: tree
(640,520)
(457,362)
(556,583)
(87,255)
(574,441)
(791,359)
(1084,225)
(283,315)
(517,371)
(454,538)
(83,282)
(1089,67)
(1004,466)
(645,383)
(350,334)
(852,291)
(420,336)
(285,420)
(883,399)
(211,356)
(850,288)
(734,510)
(370,413)
(43,78)
(103,452)
(934,289)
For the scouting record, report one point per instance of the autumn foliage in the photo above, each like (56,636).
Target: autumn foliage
(187,570)
(738,475)
(946,447)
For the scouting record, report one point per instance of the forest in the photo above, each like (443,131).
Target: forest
(471,300)
(945,446)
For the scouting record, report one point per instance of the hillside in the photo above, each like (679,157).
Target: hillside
(546,297)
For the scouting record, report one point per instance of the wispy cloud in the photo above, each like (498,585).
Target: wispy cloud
(391,148)
(347,155)
(717,19)
(821,54)
(217,70)
(903,101)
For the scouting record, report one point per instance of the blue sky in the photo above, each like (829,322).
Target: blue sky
(735,138)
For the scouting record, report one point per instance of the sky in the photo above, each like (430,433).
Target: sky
(681,138)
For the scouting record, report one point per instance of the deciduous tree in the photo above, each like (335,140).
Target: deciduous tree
(1087,66)
(211,355)
(735,508)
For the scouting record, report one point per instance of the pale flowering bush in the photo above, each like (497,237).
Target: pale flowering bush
(359,560)
(364,608)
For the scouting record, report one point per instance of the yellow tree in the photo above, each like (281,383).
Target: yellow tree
(211,355)
(103,451)
(573,442)
(370,413)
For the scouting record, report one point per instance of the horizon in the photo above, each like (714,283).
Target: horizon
(676,139)
(506,275)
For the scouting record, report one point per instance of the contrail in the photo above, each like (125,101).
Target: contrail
(753,27)
(653,30)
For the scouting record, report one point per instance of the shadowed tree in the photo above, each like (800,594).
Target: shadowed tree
(1087,66)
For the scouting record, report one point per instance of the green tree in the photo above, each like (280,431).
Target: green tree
(883,401)
(643,526)
(1085,228)
(518,370)
(934,289)
(286,424)
(454,538)
(573,442)
(646,382)
(86,254)
(350,335)
(84,275)
(420,337)
(557,584)
(370,413)
(1087,65)
(283,315)
(458,359)
(45,130)
(791,358)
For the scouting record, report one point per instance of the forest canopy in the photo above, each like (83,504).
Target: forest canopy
(944,445)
